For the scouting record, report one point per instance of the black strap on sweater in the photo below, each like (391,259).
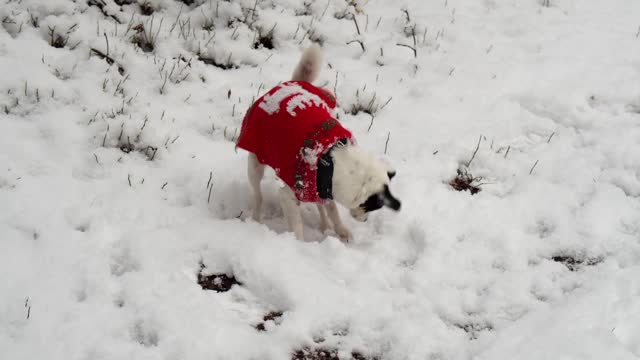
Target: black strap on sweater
(324,175)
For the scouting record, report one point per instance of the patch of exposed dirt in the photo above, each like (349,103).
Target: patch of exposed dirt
(465,181)
(146,8)
(574,263)
(325,354)
(222,65)
(274,316)
(264,41)
(473,329)
(216,282)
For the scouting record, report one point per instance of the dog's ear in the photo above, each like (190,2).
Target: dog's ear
(391,174)
(389,200)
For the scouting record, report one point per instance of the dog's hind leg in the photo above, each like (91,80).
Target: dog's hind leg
(255,170)
(338,226)
(324,221)
(291,210)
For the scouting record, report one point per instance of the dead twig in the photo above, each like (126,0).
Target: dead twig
(387,142)
(406,13)
(475,151)
(100,4)
(371,123)
(108,59)
(533,167)
(325,9)
(415,52)
(104,140)
(385,104)
(355,21)
(359,42)
(550,136)
(210,177)
(107,40)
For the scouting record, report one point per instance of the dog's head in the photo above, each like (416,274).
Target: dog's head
(361,182)
(374,202)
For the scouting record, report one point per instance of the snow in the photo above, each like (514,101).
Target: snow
(115,187)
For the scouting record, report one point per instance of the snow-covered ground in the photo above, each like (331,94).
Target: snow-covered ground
(117,181)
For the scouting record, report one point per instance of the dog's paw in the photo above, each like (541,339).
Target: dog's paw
(344,234)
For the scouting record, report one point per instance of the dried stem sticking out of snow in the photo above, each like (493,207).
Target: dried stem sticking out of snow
(386,143)
(145,37)
(475,151)
(533,167)
(359,42)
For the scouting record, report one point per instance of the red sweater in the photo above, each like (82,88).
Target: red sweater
(289,128)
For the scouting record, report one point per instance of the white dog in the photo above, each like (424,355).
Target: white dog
(291,129)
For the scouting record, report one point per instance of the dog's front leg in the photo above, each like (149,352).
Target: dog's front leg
(291,208)
(338,226)
(255,172)
(324,221)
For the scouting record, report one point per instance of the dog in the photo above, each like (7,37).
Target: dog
(291,129)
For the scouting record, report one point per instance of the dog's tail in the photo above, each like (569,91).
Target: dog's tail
(310,64)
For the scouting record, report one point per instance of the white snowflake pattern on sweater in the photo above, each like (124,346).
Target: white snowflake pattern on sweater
(302,99)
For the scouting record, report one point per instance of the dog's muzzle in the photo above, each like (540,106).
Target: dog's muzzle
(359,214)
